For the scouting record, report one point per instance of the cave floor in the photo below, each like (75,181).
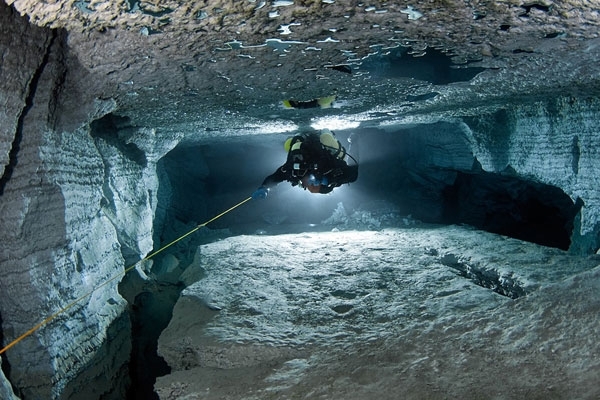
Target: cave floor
(425,312)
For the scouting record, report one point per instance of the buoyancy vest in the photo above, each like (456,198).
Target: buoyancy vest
(314,153)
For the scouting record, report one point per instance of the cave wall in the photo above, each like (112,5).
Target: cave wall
(555,142)
(431,171)
(16,33)
(13,98)
(75,208)
(56,246)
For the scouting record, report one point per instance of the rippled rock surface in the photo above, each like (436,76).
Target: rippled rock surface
(424,311)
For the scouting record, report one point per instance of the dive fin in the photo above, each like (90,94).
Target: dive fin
(322,102)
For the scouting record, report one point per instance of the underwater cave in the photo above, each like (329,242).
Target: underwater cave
(397,167)
(135,264)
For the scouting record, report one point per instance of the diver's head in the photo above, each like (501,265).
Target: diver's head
(311,183)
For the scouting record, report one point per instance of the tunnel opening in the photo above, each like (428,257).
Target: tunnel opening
(427,172)
(511,206)
(430,172)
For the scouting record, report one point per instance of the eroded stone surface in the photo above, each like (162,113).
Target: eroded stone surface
(163,60)
(23,48)
(554,141)
(359,313)
(59,238)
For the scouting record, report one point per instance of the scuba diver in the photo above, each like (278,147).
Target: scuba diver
(315,162)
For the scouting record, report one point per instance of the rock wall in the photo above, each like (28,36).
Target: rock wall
(21,66)
(556,142)
(76,207)
(56,247)
(15,96)
(6,391)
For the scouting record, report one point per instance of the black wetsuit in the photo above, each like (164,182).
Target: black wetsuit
(313,158)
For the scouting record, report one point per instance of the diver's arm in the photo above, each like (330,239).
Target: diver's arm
(277,177)
(342,174)
(270,181)
(350,173)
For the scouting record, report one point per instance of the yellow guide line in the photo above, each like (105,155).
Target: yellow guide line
(125,271)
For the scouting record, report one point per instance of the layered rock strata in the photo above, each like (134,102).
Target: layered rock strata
(555,142)
(65,226)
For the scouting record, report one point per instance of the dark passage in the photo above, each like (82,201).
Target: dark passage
(510,206)
(114,130)
(150,315)
(5,363)
(431,174)
(487,278)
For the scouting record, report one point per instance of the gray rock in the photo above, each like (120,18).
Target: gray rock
(6,391)
(358,314)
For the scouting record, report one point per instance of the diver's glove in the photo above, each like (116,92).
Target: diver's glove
(260,193)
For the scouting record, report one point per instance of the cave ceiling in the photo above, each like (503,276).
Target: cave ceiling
(223,67)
